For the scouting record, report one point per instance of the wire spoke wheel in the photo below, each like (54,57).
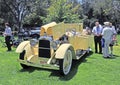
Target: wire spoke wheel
(66,63)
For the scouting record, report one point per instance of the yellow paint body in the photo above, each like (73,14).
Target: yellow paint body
(80,41)
(60,53)
(47,28)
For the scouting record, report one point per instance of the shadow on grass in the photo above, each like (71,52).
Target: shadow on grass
(30,70)
(116,56)
(74,69)
(112,57)
(75,65)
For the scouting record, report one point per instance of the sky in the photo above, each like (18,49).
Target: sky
(80,0)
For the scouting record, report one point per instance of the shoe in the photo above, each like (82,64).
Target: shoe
(111,55)
(9,50)
(96,52)
(105,57)
(108,56)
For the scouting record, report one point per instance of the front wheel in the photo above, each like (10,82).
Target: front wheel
(22,58)
(66,63)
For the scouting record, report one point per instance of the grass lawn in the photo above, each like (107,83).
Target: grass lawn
(91,70)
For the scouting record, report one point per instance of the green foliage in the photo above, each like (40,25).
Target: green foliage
(19,12)
(62,11)
(38,11)
(105,10)
(1,20)
(32,19)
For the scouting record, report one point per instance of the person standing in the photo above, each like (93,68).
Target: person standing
(97,30)
(7,34)
(107,34)
(113,41)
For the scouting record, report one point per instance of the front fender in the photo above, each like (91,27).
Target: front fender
(60,53)
(22,46)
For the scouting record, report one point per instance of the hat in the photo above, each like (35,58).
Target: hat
(7,23)
(106,23)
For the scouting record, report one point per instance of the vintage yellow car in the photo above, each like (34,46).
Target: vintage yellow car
(57,46)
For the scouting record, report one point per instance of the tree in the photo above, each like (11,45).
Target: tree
(62,10)
(17,10)
(38,12)
(104,10)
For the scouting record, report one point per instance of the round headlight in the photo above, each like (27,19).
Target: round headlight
(33,42)
(54,45)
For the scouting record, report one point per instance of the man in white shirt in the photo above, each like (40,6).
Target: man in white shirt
(7,34)
(107,36)
(97,30)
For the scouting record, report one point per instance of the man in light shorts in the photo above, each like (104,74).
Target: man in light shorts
(107,35)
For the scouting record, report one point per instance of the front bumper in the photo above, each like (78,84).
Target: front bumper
(41,64)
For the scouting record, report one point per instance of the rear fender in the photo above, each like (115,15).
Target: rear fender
(60,53)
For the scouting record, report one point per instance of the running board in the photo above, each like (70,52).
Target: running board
(80,55)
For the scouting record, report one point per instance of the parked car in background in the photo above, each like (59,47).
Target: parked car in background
(35,32)
(26,33)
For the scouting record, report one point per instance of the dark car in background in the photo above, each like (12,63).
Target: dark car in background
(24,34)
(35,32)
(31,32)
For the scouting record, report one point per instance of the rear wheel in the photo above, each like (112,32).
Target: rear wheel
(66,63)
(22,58)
